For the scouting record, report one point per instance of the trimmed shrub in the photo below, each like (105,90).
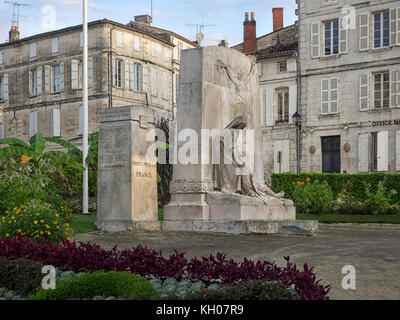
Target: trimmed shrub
(171,289)
(315,198)
(22,276)
(88,257)
(35,222)
(90,285)
(9,295)
(249,290)
(356,183)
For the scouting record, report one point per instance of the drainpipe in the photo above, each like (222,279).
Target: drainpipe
(298,126)
(173,82)
(110,71)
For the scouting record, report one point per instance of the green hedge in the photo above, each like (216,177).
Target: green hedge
(338,181)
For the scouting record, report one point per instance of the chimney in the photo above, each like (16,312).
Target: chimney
(13,34)
(278,18)
(145,19)
(250,34)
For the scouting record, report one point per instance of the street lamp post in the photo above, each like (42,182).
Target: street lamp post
(297,121)
(85,143)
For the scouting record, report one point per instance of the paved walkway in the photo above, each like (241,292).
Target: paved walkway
(373,250)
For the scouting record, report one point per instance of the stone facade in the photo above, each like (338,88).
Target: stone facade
(350,93)
(40,77)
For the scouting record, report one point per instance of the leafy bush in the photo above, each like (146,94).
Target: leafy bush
(248,290)
(316,198)
(172,289)
(21,275)
(339,181)
(9,295)
(88,257)
(380,202)
(35,222)
(346,203)
(111,284)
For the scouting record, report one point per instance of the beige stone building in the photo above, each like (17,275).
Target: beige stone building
(350,85)
(41,76)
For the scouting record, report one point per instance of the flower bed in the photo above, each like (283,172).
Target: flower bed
(88,257)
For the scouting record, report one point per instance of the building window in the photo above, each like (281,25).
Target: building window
(134,76)
(332,37)
(381,90)
(32,50)
(381,29)
(33,123)
(283,105)
(56,79)
(379,151)
(54,45)
(165,85)
(2,88)
(118,73)
(329,93)
(34,82)
(331,155)
(154,49)
(55,122)
(153,81)
(374,151)
(282,66)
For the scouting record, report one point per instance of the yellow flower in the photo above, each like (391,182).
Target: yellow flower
(25,159)
(19,230)
(13,218)
(308,179)
(47,226)
(41,221)
(7,235)
(35,222)
(41,232)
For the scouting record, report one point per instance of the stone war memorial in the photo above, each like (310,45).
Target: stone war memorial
(221,187)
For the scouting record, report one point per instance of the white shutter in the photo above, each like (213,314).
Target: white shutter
(394,74)
(113,72)
(315,40)
(165,85)
(136,41)
(127,71)
(398,150)
(119,39)
(80,120)
(363,152)
(145,72)
(165,54)
(398,27)
(33,128)
(325,96)
(383,151)
(90,72)
(364,92)
(131,76)
(47,71)
(39,81)
(393,27)
(55,122)
(30,79)
(62,77)
(343,35)
(153,81)
(54,45)
(5,79)
(80,74)
(1,57)
(74,74)
(32,50)
(269,107)
(364,32)
(333,95)
(292,102)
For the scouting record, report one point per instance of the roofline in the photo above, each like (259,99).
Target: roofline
(268,34)
(80,27)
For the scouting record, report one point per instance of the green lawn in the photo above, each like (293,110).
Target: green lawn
(83,224)
(346,218)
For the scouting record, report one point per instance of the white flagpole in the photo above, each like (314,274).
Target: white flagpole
(85,143)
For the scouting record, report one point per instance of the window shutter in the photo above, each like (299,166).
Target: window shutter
(315,40)
(363,152)
(74,74)
(39,80)
(383,151)
(398,27)
(394,74)
(398,150)
(5,79)
(127,74)
(364,92)
(136,41)
(30,80)
(398,88)
(113,72)
(55,122)
(364,32)
(165,85)
(343,35)
(81,120)
(325,96)
(334,89)
(269,107)
(1,57)
(90,72)
(145,72)
(165,54)
(393,27)
(54,45)
(62,77)
(47,79)
(119,39)
(262,112)
(32,50)
(153,81)
(33,128)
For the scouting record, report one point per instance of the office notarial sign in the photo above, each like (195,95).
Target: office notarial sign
(386,123)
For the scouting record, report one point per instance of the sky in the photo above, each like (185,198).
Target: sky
(225,16)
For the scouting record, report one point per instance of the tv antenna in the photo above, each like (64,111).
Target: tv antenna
(15,17)
(200,30)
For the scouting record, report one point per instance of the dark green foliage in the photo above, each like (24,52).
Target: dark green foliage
(356,183)
(21,276)
(9,295)
(123,285)
(250,290)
